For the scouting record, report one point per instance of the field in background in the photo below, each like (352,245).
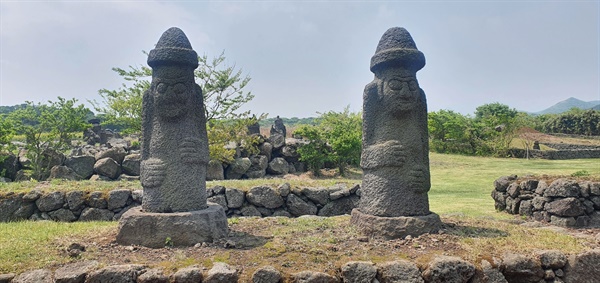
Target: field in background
(460,193)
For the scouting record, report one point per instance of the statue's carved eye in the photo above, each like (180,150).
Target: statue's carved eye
(413,85)
(179,88)
(161,88)
(395,84)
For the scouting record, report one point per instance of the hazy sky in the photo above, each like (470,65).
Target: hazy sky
(311,56)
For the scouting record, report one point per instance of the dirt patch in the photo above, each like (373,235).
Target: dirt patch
(533,135)
(325,244)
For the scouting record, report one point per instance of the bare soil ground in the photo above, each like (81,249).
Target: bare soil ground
(325,244)
(533,135)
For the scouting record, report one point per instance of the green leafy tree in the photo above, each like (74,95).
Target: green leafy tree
(496,127)
(343,132)
(223,89)
(336,137)
(48,128)
(315,153)
(450,132)
(574,121)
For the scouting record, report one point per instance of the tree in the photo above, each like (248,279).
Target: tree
(343,132)
(337,137)
(315,153)
(450,132)
(222,89)
(48,129)
(495,126)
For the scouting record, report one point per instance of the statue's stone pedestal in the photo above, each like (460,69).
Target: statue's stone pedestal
(182,228)
(395,227)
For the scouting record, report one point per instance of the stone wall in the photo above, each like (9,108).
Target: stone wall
(106,206)
(556,154)
(543,266)
(118,161)
(561,202)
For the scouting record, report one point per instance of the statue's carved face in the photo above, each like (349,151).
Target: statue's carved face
(401,93)
(171,98)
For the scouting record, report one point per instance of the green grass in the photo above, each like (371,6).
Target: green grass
(27,244)
(462,184)
(461,187)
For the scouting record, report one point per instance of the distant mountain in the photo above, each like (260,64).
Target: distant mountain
(571,102)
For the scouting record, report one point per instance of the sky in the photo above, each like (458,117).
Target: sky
(310,57)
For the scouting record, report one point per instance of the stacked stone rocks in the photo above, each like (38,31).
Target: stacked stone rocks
(115,161)
(562,202)
(543,266)
(261,201)
(68,207)
(278,156)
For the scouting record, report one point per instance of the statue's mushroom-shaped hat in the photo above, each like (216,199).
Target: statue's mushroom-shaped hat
(173,48)
(396,48)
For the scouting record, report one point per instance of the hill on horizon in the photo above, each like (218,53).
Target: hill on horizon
(569,103)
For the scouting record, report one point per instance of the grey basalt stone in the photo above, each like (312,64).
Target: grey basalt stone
(266,274)
(96,214)
(317,195)
(183,228)
(264,196)
(278,166)
(583,268)
(118,199)
(115,153)
(214,170)
(235,197)
(566,207)
(174,140)
(298,207)
(154,275)
(50,201)
(519,268)
(359,272)
(221,272)
(448,269)
(74,272)
(62,215)
(238,168)
(399,271)
(313,277)
(131,164)
(127,273)
(107,167)
(34,276)
(190,274)
(64,173)
(395,155)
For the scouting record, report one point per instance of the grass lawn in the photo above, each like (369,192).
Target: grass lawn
(460,193)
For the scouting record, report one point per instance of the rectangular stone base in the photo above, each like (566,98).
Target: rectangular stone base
(157,230)
(395,227)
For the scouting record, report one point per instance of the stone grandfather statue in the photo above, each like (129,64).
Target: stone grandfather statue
(174,155)
(174,147)
(395,156)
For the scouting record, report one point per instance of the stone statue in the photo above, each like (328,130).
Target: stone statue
(175,144)
(395,156)
(174,155)
(278,128)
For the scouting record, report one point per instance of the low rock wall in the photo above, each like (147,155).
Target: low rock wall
(106,206)
(543,266)
(277,156)
(557,154)
(562,202)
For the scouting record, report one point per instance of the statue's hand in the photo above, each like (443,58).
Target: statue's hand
(190,151)
(152,172)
